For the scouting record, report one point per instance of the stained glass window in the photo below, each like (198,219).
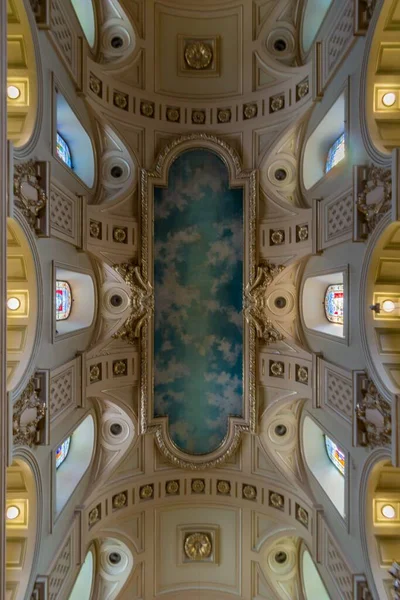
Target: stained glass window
(334,301)
(63,300)
(336,153)
(63,151)
(335,455)
(62,452)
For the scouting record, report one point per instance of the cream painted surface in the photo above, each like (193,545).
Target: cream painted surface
(133,100)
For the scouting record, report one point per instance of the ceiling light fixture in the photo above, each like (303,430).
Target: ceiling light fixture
(13,303)
(12,512)
(388,511)
(13,92)
(389,99)
(388,306)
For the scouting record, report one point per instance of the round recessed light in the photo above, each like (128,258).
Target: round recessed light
(388,306)
(12,512)
(388,511)
(13,92)
(281,430)
(114,558)
(281,557)
(13,303)
(389,99)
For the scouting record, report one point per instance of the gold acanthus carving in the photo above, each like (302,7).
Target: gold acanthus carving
(28,412)
(142,302)
(198,546)
(376,434)
(26,176)
(198,55)
(374,211)
(254,303)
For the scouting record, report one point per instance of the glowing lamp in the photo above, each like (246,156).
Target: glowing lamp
(13,92)
(388,306)
(12,512)
(13,304)
(388,511)
(389,99)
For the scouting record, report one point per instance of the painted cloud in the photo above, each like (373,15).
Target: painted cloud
(198,271)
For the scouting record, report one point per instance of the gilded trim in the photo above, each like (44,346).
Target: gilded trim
(248,179)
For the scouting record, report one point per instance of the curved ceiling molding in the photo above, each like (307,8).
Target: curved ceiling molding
(279,167)
(117,34)
(116,563)
(279,433)
(118,167)
(117,433)
(279,563)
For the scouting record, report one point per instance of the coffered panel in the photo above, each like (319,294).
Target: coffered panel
(193,47)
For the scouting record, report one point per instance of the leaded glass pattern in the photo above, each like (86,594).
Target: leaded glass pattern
(62,452)
(335,455)
(63,300)
(63,151)
(334,303)
(336,153)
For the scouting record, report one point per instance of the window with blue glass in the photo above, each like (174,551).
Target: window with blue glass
(63,151)
(62,452)
(63,300)
(335,455)
(336,153)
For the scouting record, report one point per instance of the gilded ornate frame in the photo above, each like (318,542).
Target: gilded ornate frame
(248,180)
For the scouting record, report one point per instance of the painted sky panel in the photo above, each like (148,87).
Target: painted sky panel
(198,273)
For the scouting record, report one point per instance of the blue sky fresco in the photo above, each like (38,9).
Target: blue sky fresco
(198,272)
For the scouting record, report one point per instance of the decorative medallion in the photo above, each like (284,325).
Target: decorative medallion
(198,55)
(301,374)
(147,109)
(302,89)
(224,115)
(95,85)
(276,368)
(173,114)
(172,488)
(276,500)
(95,229)
(95,373)
(375,198)
(301,233)
(302,515)
(249,492)
(146,492)
(198,486)
(121,100)
(94,515)
(277,237)
(142,302)
(250,111)
(223,487)
(198,117)
(276,103)
(120,500)
(198,546)
(120,235)
(120,367)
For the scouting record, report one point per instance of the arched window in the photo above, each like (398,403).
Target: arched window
(63,151)
(73,470)
(336,153)
(63,300)
(326,465)
(334,303)
(83,585)
(335,455)
(312,583)
(62,452)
